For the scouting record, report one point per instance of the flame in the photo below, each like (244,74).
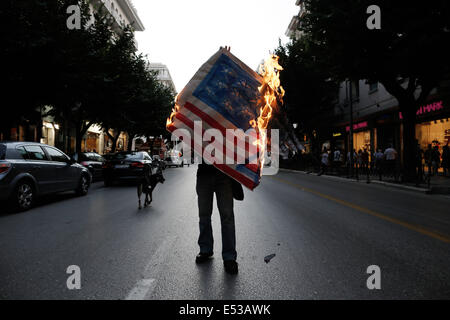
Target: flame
(272,91)
(175,109)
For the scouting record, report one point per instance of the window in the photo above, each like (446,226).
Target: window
(373,86)
(129,156)
(56,155)
(35,153)
(2,151)
(147,157)
(23,153)
(355,90)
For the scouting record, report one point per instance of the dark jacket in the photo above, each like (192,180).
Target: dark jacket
(207,169)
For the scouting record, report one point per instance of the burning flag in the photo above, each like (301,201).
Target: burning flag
(226,94)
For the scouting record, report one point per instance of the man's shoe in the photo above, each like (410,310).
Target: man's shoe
(231,266)
(203,257)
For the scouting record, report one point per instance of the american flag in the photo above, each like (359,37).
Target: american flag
(223,94)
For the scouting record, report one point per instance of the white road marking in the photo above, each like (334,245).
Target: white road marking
(140,291)
(147,284)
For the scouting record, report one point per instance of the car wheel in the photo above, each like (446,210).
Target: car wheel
(83,186)
(24,195)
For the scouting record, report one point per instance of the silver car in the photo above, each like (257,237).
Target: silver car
(29,170)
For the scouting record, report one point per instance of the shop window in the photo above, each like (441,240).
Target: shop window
(436,133)
(361,140)
(373,87)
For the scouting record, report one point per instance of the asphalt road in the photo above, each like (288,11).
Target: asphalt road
(325,233)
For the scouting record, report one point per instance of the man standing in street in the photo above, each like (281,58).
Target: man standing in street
(212,181)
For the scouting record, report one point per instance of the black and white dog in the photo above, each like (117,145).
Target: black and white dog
(147,184)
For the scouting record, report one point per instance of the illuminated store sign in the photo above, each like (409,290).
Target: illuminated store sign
(357,126)
(429,108)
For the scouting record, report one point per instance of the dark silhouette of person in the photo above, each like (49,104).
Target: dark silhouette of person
(212,181)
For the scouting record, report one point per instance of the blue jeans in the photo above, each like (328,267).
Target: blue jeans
(220,184)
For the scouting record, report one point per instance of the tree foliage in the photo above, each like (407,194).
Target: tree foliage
(408,55)
(92,75)
(310,92)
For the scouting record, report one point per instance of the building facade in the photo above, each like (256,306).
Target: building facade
(294,29)
(378,122)
(123,13)
(162,74)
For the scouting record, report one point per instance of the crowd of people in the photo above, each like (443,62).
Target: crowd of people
(386,162)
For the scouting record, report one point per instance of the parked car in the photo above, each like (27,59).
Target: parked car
(108,156)
(157,159)
(29,170)
(93,162)
(173,161)
(126,166)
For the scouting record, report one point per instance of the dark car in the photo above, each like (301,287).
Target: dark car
(29,170)
(93,161)
(126,166)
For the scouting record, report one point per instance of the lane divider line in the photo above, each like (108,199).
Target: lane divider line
(145,286)
(141,289)
(404,224)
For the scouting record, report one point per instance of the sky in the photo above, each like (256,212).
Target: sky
(183,34)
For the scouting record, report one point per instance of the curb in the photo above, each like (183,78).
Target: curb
(386,184)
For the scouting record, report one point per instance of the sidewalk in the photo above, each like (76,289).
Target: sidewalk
(438,184)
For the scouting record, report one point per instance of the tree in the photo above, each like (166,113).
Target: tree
(408,55)
(310,92)
(29,42)
(81,77)
(79,67)
(151,105)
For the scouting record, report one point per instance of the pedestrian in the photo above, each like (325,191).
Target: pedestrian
(419,159)
(428,158)
(365,160)
(379,156)
(391,160)
(435,160)
(212,181)
(337,159)
(341,157)
(359,161)
(323,161)
(446,159)
(351,162)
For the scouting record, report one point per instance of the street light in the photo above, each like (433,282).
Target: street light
(295,125)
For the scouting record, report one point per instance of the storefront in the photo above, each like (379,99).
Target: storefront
(362,136)
(433,127)
(435,133)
